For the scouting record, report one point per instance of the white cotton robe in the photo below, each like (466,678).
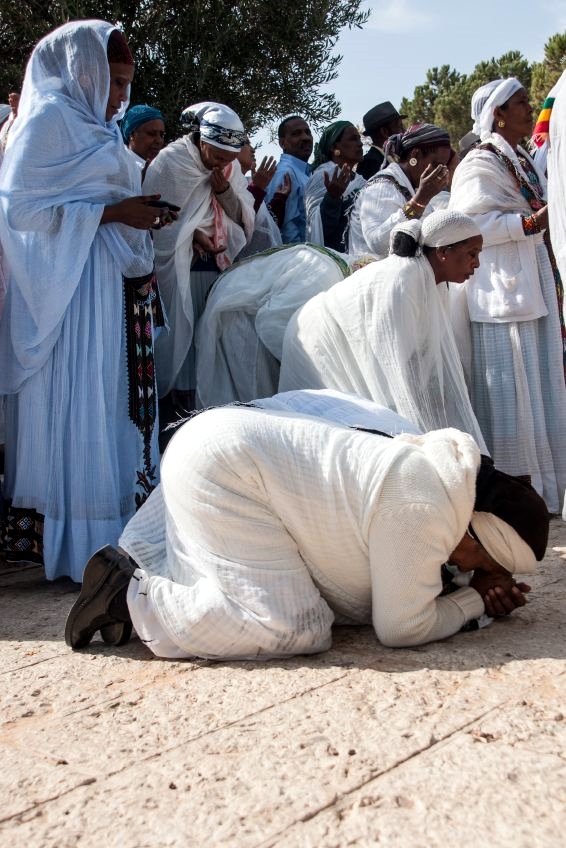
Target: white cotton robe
(517,384)
(180,176)
(383,333)
(377,209)
(239,339)
(72,451)
(268,524)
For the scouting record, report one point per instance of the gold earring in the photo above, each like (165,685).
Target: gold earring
(336,152)
(501,124)
(413,161)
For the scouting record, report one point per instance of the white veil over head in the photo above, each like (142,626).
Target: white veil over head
(385,334)
(64,162)
(487,98)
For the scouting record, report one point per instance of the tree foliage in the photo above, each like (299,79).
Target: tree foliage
(445,98)
(546,73)
(265,59)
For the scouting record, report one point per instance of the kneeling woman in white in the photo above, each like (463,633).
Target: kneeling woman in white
(270,524)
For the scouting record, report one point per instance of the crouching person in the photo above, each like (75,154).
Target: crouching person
(270,524)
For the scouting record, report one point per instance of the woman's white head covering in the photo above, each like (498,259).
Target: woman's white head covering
(487,98)
(5,110)
(503,543)
(218,125)
(74,171)
(439,229)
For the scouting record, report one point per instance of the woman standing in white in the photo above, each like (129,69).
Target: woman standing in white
(76,340)
(517,388)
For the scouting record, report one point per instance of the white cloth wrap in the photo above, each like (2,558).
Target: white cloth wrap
(377,208)
(557,176)
(72,451)
(506,286)
(503,543)
(239,338)
(383,333)
(315,192)
(517,382)
(180,176)
(242,550)
(340,407)
(500,94)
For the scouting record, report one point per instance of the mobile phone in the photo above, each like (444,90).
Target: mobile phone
(162,204)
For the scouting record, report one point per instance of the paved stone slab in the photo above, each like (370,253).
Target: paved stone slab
(459,742)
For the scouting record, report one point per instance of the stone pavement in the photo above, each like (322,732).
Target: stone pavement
(460,743)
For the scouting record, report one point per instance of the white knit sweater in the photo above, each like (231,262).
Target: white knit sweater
(268,523)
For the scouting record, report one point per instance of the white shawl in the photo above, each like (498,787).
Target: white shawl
(180,176)
(557,175)
(239,337)
(62,165)
(315,192)
(506,285)
(383,333)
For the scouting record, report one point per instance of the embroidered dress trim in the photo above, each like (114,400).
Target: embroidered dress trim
(22,538)
(142,394)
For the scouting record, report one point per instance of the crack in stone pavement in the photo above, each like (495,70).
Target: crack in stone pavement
(431,746)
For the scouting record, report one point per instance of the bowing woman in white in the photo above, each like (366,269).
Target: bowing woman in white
(384,333)
(81,445)
(517,386)
(270,523)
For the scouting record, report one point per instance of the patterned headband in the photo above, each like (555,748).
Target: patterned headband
(221,136)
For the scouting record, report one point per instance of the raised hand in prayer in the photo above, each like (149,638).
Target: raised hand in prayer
(433,179)
(133,211)
(262,176)
(203,245)
(218,181)
(337,184)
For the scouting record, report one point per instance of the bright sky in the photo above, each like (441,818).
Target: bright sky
(404,38)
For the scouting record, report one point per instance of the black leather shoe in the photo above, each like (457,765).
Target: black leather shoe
(103,593)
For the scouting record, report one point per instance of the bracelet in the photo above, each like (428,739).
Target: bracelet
(531,225)
(409,211)
(416,202)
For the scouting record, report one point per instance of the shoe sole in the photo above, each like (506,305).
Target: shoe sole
(98,569)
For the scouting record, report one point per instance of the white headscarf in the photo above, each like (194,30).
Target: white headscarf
(218,125)
(64,162)
(439,228)
(487,98)
(503,543)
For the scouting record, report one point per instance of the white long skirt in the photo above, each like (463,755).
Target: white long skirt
(519,396)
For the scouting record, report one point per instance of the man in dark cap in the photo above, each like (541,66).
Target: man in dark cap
(379,123)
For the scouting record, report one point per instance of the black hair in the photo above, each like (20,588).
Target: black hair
(281,129)
(426,149)
(404,244)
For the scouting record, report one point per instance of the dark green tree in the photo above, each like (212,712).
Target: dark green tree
(446,96)
(265,59)
(546,73)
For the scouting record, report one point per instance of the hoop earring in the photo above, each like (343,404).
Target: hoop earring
(413,161)
(501,124)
